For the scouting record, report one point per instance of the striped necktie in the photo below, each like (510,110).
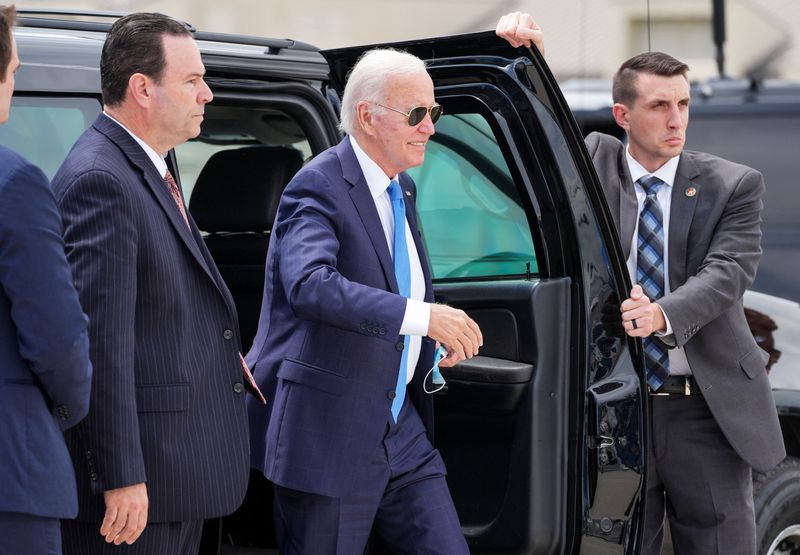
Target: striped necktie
(402,271)
(175,191)
(650,274)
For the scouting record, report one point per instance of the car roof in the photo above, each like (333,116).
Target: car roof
(53,40)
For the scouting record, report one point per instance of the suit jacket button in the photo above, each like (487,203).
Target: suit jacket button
(93,476)
(400,345)
(382,331)
(88,455)
(391,394)
(363,326)
(238,387)
(227,334)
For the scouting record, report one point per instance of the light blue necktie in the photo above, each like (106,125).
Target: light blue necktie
(402,271)
(650,274)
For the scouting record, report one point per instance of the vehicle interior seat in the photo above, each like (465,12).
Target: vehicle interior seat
(234,202)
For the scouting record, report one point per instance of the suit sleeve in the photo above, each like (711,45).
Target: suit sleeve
(728,268)
(51,327)
(308,235)
(101,244)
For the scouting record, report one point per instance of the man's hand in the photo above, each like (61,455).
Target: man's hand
(640,317)
(126,514)
(459,333)
(520,29)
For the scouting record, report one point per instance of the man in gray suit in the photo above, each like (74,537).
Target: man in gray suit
(689,224)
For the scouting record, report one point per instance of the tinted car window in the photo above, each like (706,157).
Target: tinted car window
(471,217)
(60,120)
(764,142)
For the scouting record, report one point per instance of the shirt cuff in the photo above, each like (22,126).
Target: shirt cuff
(416,318)
(669,325)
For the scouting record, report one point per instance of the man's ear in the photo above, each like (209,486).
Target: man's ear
(622,115)
(140,89)
(365,118)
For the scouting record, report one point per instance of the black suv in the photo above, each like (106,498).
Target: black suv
(543,434)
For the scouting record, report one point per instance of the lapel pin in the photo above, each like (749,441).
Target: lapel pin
(690,192)
(408,193)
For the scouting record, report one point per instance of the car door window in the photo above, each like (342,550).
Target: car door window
(230,127)
(43,129)
(470,213)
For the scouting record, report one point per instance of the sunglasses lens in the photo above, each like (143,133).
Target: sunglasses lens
(417,115)
(436,111)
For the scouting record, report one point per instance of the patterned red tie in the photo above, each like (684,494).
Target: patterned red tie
(176,195)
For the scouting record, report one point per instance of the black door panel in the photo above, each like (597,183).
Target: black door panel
(500,416)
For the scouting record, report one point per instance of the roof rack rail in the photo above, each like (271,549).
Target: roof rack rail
(66,19)
(71,13)
(273,46)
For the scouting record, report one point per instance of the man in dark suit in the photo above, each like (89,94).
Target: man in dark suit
(347,335)
(689,224)
(165,443)
(45,374)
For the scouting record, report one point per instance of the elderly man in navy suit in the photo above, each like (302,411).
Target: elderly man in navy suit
(45,374)
(347,334)
(165,443)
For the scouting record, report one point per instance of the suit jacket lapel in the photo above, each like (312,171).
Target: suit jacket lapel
(685,193)
(619,191)
(628,207)
(155,183)
(364,203)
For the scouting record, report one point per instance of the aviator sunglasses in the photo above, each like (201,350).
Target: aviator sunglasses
(417,113)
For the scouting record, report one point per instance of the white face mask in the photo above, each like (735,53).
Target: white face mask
(436,377)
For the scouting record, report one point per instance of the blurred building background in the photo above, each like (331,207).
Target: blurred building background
(584,38)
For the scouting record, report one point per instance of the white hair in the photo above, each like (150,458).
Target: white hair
(369,78)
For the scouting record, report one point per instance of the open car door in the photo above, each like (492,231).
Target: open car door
(543,434)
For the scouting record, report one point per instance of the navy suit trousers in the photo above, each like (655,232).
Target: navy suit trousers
(411,510)
(23,534)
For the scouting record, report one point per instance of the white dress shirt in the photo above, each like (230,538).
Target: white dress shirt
(418,313)
(678,363)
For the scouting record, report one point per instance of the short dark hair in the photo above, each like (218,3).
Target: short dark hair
(8,16)
(655,63)
(134,44)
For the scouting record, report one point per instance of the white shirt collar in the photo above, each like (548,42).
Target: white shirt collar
(376,178)
(156,158)
(665,173)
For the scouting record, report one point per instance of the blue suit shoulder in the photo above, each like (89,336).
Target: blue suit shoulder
(12,163)
(326,163)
